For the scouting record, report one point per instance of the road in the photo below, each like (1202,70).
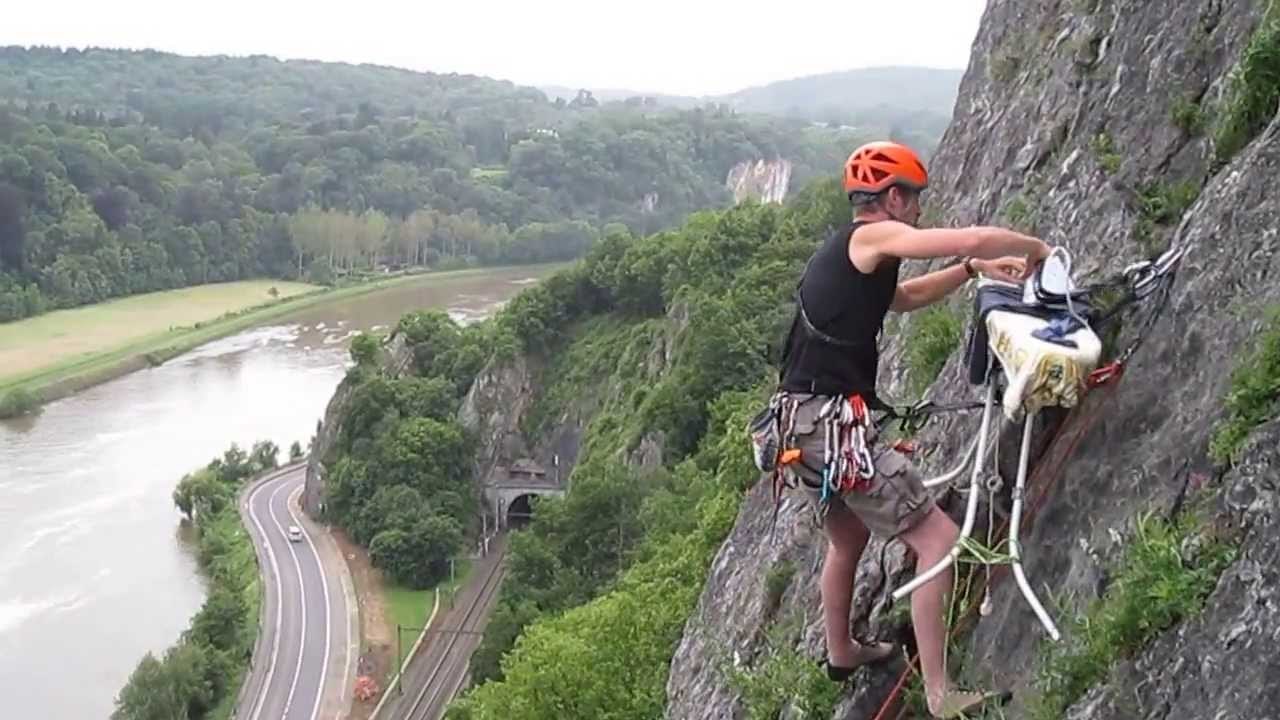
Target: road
(440,670)
(304,662)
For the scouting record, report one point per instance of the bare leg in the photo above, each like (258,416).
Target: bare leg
(846,539)
(931,540)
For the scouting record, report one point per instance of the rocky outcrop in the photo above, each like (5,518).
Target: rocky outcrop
(492,409)
(397,358)
(1221,664)
(1081,122)
(763,180)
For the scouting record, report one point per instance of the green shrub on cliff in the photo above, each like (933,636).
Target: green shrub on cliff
(679,344)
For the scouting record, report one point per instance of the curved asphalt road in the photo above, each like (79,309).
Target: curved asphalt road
(303,664)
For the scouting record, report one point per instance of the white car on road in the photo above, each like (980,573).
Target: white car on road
(295,533)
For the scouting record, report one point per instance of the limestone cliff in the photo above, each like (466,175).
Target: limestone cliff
(1088,123)
(763,180)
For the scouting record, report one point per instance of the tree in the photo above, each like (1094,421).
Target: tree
(220,621)
(265,456)
(431,334)
(366,350)
(12,233)
(295,451)
(150,694)
(201,494)
(417,555)
(179,687)
(423,453)
(395,506)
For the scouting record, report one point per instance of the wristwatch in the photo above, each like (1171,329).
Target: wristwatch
(968,267)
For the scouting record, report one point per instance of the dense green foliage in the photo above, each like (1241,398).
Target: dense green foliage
(399,473)
(932,336)
(1254,397)
(123,172)
(782,677)
(603,579)
(18,401)
(199,676)
(1251,99)
(1168,571)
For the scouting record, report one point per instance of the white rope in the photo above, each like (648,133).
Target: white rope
(1071,286)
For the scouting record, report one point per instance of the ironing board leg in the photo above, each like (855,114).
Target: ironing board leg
(1015,550)
(971,511)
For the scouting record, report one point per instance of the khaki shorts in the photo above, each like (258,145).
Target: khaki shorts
(894,502)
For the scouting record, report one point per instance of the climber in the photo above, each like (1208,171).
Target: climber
(827,383)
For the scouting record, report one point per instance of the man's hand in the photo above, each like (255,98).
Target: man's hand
(1035,258)
(1005,269)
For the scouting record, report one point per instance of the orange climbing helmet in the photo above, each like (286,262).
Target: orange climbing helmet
(877,166)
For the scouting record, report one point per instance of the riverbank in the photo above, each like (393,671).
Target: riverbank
(205,669)
(24,392)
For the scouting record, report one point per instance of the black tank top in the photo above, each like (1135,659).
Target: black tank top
(837,351)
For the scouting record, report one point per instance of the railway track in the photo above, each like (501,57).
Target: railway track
(449,671)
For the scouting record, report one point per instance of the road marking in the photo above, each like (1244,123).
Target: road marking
(302,597)
(328,609)
(275,569)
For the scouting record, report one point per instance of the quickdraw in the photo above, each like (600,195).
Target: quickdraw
(912,419)
(847,461)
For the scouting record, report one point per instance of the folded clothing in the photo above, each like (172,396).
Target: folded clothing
(992,296)
(1040,373)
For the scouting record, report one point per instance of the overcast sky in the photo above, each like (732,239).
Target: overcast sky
(687,47)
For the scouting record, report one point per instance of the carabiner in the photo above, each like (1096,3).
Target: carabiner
(866,466)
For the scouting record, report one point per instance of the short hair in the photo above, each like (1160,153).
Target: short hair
(865,200)
(871,201)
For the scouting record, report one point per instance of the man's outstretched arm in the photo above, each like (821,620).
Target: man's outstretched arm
(927,289)
(900,240)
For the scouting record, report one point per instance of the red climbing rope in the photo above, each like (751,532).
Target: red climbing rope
(1099,378)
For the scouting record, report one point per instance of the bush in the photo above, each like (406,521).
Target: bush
(932,335)
(18,401)
(1254,396)
(1254,90)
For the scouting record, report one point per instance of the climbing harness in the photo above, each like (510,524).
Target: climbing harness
(847,463)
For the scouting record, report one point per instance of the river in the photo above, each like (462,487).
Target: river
(96,566)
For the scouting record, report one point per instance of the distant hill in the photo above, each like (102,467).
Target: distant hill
(911,104)
(130,171)
(834,96)
(839,95)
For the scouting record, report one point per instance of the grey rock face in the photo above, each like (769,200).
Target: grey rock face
(1222,664)
(1068,116)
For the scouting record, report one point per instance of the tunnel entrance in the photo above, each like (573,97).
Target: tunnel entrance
(520,511)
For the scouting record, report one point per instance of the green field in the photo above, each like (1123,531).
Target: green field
(409,608)
(69,335)
(118,350)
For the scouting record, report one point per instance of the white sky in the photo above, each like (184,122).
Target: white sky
(687,47)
